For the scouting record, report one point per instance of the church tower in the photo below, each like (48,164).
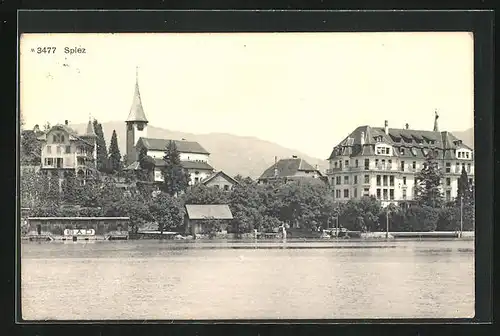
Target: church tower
(136,122)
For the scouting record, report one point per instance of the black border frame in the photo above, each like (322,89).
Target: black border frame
(479,22)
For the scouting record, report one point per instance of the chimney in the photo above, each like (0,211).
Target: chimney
(407,126)
(294,156)
(362,139)
(66,122)
(386,127)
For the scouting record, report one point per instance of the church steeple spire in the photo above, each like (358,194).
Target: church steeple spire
(90,132)
(436,117)
(136,110)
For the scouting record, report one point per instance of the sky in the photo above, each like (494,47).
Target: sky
(305,91)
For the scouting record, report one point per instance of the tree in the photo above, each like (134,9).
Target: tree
(102,153)
(428,188)
(175,177)
(146,163)
(361,215)
(465,199)
(30,151)
(201,194)
(422,218)
(167,211)
(115,163)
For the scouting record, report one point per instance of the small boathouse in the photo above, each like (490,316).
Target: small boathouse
(78,228)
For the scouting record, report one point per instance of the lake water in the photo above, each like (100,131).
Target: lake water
(247,280)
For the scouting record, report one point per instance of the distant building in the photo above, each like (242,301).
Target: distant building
(220,180)
(384,162)
(199,216)
(193,156)
(65,152)
(290,169)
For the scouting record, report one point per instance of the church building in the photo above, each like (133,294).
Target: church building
(194,158)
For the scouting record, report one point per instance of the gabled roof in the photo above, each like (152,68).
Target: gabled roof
(288,168)
(73,135)
(183,146)
(220,173)
(208,211)
(406,142)
(136,110)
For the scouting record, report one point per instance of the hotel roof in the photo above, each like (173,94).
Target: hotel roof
(405,142)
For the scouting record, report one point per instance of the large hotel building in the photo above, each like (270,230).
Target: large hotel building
(384,162)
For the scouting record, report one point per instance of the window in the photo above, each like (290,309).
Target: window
(347,163)
(356,163)
(468,168)
(378,180)
(335,165)
(384,180)
(337,193)
(389,164)
(140,126)
(68,149)
(414,165)
(404,180)
(448,167)
(470,181)
(367,178)
(59,162)
(378,193)
(340,164)
(55,138)
(448,195)
(339,181)
(366,192)
(404,194)
(391,181)
(376,163)
(346,193)
(58,150)
(355,193)
(367,164)
(346,179)
(463,166)
(448,181)
(355,179)
(226,187)
(196,179)
(391,194)
(49,150)
(49,161)
(402,166)
(385,194)
(129,127)
(62,137)
(402,151)
(467,155)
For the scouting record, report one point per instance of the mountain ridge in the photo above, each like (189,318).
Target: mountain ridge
(234,154)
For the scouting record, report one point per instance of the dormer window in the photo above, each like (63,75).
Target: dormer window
(402,151)
(140,126)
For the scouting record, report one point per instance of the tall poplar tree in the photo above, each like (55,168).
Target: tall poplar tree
(175,177)
(465,199)
(102,152)
(115,163)
(429,183)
